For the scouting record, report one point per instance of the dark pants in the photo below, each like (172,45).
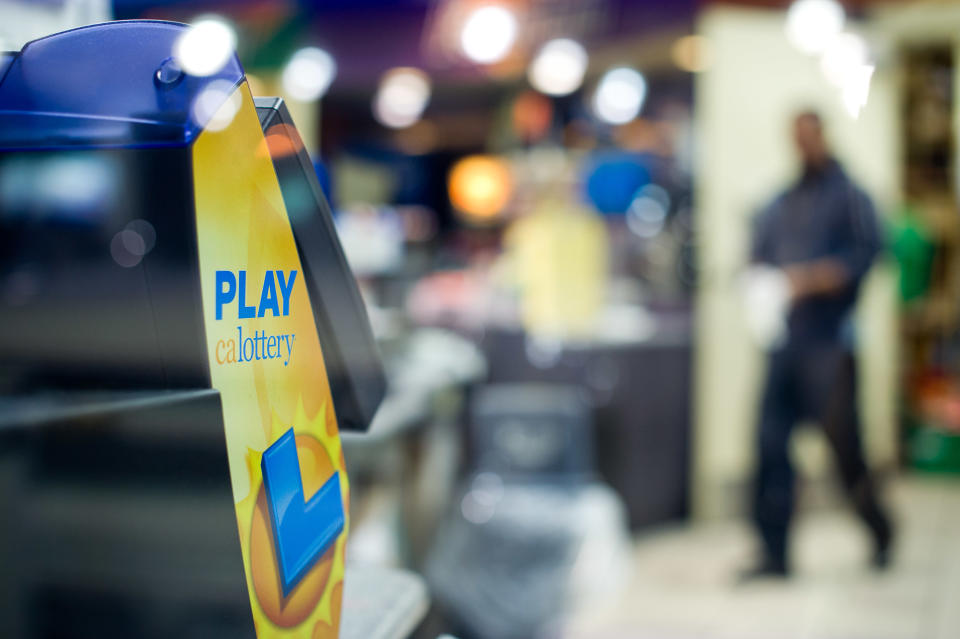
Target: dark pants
(816,382)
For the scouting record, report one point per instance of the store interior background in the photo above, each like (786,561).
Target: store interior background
(526,256)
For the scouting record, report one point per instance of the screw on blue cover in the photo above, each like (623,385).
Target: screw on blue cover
(108,84)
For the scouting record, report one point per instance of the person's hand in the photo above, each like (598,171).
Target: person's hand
(798,280)
(820,277)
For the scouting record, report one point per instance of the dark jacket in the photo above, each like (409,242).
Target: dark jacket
(823,215)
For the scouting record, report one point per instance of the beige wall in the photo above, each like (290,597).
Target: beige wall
(743,106)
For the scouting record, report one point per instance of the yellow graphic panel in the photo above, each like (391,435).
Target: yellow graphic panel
(266,361)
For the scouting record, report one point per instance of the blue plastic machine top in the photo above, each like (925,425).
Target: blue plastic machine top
(106,85)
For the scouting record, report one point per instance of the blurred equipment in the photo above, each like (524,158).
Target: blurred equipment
(382,604)
(534,532)
(118,518)
(926,243)
(533,433)
(639,385)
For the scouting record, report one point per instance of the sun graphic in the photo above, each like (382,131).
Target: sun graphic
(311,610)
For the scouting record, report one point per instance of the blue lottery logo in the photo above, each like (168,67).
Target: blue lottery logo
(303,529)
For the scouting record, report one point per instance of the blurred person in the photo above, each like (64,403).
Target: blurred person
(823,235)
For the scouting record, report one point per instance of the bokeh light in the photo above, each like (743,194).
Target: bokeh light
(130,245)
(216,105)
(844,58)
(558,67)
(531,115)
(308,74)
(856,91)
(401,97)
(480,186)
(813,24)
(488,34)
(691,53)
(619,95)
(648,211)
(205,46)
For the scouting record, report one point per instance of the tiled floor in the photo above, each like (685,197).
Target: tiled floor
(683,582)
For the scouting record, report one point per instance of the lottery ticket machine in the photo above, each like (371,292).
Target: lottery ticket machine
(181,341)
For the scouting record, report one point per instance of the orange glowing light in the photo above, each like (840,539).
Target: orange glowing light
(532,115)
(283,140)
(691,53)
(480,186)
